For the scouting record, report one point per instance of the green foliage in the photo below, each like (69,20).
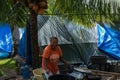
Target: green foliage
(1,73)
(15,14)
(85,11)
(78,11)
(7,64)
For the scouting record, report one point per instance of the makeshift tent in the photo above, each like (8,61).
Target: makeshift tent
(77,42)
(5,40)
(109,41)
(23,50)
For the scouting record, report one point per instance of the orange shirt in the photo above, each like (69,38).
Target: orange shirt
(53,56)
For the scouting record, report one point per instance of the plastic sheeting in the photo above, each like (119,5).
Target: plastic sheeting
(3,54)
(77,42)
(22,46)
(109,41)
(67,33)
(24,49)
(5,40)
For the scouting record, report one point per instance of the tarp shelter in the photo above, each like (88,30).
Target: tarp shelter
(109,41)
(77,42)
(5,40)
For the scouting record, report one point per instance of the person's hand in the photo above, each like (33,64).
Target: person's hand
(67,64)
(47,71)
(70,68)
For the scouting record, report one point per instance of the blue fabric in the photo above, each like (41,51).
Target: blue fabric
(24,48)
(3,54)
(109,41)
(5,38)
(5,41)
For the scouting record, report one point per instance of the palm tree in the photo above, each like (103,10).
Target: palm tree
(17,12)
(86,11)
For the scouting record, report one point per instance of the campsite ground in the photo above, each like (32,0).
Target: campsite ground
(8,70)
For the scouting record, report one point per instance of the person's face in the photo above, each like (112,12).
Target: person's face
(54,43)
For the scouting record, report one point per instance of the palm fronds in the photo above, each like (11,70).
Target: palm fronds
(86,11)
(15,14)
(80,11)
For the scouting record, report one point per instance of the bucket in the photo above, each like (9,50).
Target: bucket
(38,73)
(61,77)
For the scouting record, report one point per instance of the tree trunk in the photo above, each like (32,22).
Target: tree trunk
(34,39)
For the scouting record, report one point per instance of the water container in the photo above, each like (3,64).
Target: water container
(25,72)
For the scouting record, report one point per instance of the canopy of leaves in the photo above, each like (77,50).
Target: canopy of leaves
(15,14)
(86,11)
(78,11)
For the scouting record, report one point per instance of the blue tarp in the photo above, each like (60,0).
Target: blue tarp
(23,50)
(5,40)
(3,54)
(22,46)
(109,41)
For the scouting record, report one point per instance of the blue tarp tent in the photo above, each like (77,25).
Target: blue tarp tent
(24,49)
(77,42)
(22,46)
(5,40)
(109,41)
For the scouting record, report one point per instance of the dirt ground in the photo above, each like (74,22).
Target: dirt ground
(11,75)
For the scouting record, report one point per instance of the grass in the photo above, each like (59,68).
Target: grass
(6,65)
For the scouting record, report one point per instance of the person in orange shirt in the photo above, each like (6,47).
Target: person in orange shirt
(51,55)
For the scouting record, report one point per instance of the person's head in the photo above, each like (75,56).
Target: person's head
(54,42)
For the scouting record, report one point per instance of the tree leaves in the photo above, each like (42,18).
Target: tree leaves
(85,11)
(78,11)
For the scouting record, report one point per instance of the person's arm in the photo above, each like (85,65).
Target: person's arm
(45,57)
(46,65)
(65,62)
(62,60)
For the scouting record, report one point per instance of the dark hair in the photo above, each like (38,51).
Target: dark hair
(53,38)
